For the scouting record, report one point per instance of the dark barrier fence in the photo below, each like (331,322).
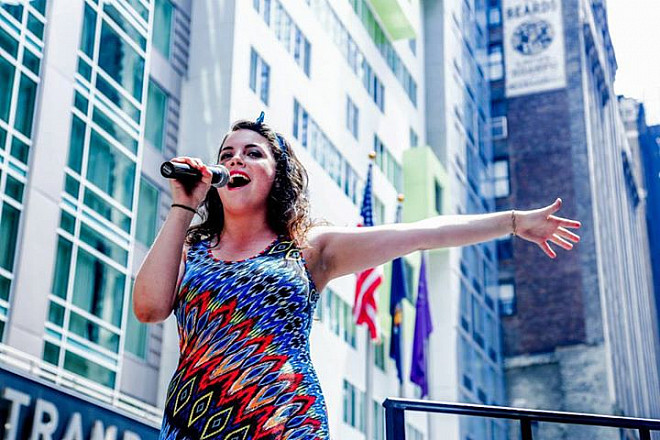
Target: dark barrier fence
(395,424)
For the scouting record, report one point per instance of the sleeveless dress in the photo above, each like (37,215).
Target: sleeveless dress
(245,371)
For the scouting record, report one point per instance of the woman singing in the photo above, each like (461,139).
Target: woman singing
(244,282)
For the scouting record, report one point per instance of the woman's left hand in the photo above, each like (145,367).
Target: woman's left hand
(540,226)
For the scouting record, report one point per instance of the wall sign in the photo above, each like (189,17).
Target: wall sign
(35,410)
(533,46)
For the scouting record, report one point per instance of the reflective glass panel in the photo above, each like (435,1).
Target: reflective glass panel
(9,233)
(103,244)
(98,288)
(20,150)
(91,370)
(119,60)
(147,213)
(88,31)
(27,94)
(8,43)
(93,332)
(62,264)
(76,144)
(5,284)
(136,336)
(162,26)
(113,129)
(6,85)
(110,170)
(156,110)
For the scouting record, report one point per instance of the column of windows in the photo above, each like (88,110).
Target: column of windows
(353,55)
(22,29)
(286,31)
(388,164)
(89,300)
(337,315)
(384,45)
(311,137)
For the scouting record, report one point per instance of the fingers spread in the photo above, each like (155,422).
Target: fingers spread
(556,239)
(567,223)
(547,249)
(564,233)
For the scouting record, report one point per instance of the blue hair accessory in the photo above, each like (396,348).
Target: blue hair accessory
(280,140)
(260,119)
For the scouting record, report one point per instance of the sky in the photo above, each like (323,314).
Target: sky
(635,31)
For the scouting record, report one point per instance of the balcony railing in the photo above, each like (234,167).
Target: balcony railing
(395,424)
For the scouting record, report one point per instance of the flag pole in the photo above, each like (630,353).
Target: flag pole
(369,371)
(400,198)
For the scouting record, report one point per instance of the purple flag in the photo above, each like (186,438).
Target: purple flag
(423,328)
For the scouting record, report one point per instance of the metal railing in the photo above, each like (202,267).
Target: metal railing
(395,422)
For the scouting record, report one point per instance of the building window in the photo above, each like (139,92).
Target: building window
(501,178)
(110,170)
(499,128)
(286,31)
(379,421)
(495,62)
(263,8)
(477,321)
(494,16)
(147,213)
(379,353)
(156,113)
(163,12)
(412,44)
(354,407)
(311,137)
(352,117)
(136,334)
(387,164)
(438,197)
(259,76)
(414,139)
(504,249)
(507,293)
(121,62)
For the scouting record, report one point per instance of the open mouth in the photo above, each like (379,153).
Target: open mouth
(238,180)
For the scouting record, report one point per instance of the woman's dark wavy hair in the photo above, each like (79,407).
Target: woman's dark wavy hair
(288,201)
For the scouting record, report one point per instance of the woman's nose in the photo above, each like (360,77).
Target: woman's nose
(235,160)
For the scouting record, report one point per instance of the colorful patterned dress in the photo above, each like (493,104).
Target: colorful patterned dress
(245,371)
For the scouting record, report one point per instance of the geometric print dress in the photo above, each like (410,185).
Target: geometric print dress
(244,370)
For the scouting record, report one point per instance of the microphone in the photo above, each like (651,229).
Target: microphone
(188,175)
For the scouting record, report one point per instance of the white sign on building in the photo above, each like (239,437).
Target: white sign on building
(533,46)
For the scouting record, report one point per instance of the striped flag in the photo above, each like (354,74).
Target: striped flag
(365,309)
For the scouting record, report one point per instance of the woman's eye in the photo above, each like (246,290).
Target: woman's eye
(225,156)
(254,154)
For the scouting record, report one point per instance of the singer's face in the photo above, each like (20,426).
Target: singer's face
(249,159)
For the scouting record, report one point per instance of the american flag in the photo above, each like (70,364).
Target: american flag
(365,310)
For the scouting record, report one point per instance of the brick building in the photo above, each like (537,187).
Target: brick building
(579,331)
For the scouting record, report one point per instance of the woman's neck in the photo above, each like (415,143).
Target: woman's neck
(244,229)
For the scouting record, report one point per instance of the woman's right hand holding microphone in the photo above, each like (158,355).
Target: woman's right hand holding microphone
(191,194)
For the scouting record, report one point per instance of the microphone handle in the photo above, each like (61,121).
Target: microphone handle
(187,174)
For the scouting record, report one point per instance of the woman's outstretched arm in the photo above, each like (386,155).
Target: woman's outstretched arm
(338,251)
